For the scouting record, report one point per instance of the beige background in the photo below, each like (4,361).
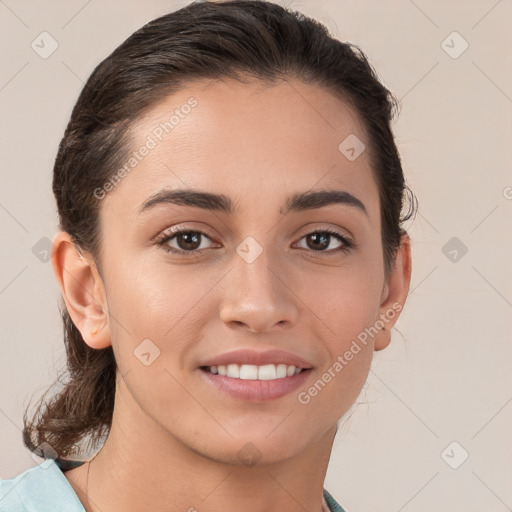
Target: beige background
(448,378)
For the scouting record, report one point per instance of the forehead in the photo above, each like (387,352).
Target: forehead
(246,140)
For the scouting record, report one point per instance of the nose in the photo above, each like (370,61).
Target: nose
(258,297)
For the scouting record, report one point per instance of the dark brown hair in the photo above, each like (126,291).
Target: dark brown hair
(205,40)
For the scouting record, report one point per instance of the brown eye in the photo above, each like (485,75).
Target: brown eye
(188,240)
(185,240)
(320,240)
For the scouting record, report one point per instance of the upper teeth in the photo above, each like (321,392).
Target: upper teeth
(253,372)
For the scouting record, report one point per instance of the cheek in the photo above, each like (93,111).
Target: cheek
(345,299)
(146,292)
(156,302)
(345,304)
(340,380)
(154,324)
(347,358)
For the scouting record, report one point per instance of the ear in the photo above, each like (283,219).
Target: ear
(395,292)
(82,289)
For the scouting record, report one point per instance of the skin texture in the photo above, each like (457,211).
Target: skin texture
(175,438)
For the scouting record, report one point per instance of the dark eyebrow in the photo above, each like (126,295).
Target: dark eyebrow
(320,198)
(219,202)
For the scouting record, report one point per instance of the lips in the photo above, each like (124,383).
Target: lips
(255,390)
(250,375)
(257,358)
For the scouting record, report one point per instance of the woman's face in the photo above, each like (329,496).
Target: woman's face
(266,277)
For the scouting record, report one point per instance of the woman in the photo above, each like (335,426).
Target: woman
(230,255)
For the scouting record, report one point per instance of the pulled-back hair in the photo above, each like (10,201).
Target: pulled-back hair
(237,39)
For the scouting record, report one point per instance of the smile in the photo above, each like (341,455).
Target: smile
(254,372)
(253,383)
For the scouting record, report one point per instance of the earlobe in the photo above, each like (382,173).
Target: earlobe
(82,290)
(395,292)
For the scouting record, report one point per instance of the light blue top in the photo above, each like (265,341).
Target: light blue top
(44,488)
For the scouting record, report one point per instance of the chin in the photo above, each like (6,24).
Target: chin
(260,450)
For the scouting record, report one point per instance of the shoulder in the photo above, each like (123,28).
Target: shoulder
(42,488)
(334,506)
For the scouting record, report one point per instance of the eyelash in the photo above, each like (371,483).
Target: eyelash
(347,247)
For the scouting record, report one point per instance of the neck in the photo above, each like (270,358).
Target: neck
(154,470)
